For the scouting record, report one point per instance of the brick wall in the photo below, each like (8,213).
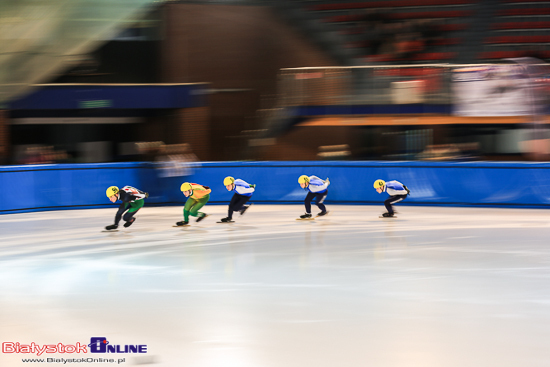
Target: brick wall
(232,47)
(192,126)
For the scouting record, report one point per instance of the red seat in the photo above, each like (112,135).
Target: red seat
(452,27)
(434,56)
(500,54)
(379,58)
(402,16)
(387,4)
(521,25)
(517,39)
(510,54)
(525,1)
(447,42)
(433,14)
(442,28)
(510,12)
(343,18)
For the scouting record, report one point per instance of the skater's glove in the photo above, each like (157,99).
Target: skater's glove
(253,186)
(112,226)
(327,181)
(146,195)
(407,189)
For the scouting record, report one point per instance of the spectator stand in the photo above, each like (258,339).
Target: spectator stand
(413,31)
(520,28)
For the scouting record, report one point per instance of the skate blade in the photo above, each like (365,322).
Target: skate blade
(227,222)
(185,225)
(110,230)
(202,218)
(305,218)
(249,205)
(387,217)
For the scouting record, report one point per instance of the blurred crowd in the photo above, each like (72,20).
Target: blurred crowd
(450,152)
(42,154)
(382,35)
(172,161)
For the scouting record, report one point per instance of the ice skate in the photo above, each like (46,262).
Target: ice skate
(322,214)
(305,216)
(388,215)
(129,223)
(242,211)
(201,217)
(226,220)
(183,223)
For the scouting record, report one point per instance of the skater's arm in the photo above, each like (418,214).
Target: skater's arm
(395,188)
(243,188)
(317,185)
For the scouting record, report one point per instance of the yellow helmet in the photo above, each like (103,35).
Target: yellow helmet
(378,184)
(186,186)
(113,190)
(303,179)
(228,181)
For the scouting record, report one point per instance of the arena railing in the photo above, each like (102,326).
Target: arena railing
(360,85)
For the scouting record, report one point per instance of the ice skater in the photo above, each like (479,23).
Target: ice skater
(317,189)
(397,191)
(132,201)
(197,196)
(243,193)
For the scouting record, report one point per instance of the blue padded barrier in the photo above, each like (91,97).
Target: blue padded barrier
(435,183)
(79,186)
(65,186)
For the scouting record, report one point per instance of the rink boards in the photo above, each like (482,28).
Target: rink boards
(80,186)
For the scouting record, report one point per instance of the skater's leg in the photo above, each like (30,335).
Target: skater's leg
(187,208)
(129,215)
(392,200)
(194,211)
(308,200)
(319,201)
(241,200)
(121,209)
(232,205)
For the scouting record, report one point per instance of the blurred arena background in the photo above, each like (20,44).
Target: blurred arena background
(449,96)
(97,81)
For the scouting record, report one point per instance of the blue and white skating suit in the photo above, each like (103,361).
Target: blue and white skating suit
(317,186)
(317,189)
(243,193)
(243,188)
(394,188)
(397,193)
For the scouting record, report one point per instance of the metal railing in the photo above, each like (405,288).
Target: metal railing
(364,85)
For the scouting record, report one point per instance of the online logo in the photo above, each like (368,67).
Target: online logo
(97,345)
(101,345)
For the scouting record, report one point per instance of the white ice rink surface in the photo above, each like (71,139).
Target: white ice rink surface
(436,287)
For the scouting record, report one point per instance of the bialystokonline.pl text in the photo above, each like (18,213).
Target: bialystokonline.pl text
(73,360)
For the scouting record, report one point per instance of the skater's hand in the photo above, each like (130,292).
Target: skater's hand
(146,195)
(253,186)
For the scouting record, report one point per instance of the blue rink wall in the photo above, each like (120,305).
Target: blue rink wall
(80,186)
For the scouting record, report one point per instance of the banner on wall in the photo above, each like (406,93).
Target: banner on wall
(492,90)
